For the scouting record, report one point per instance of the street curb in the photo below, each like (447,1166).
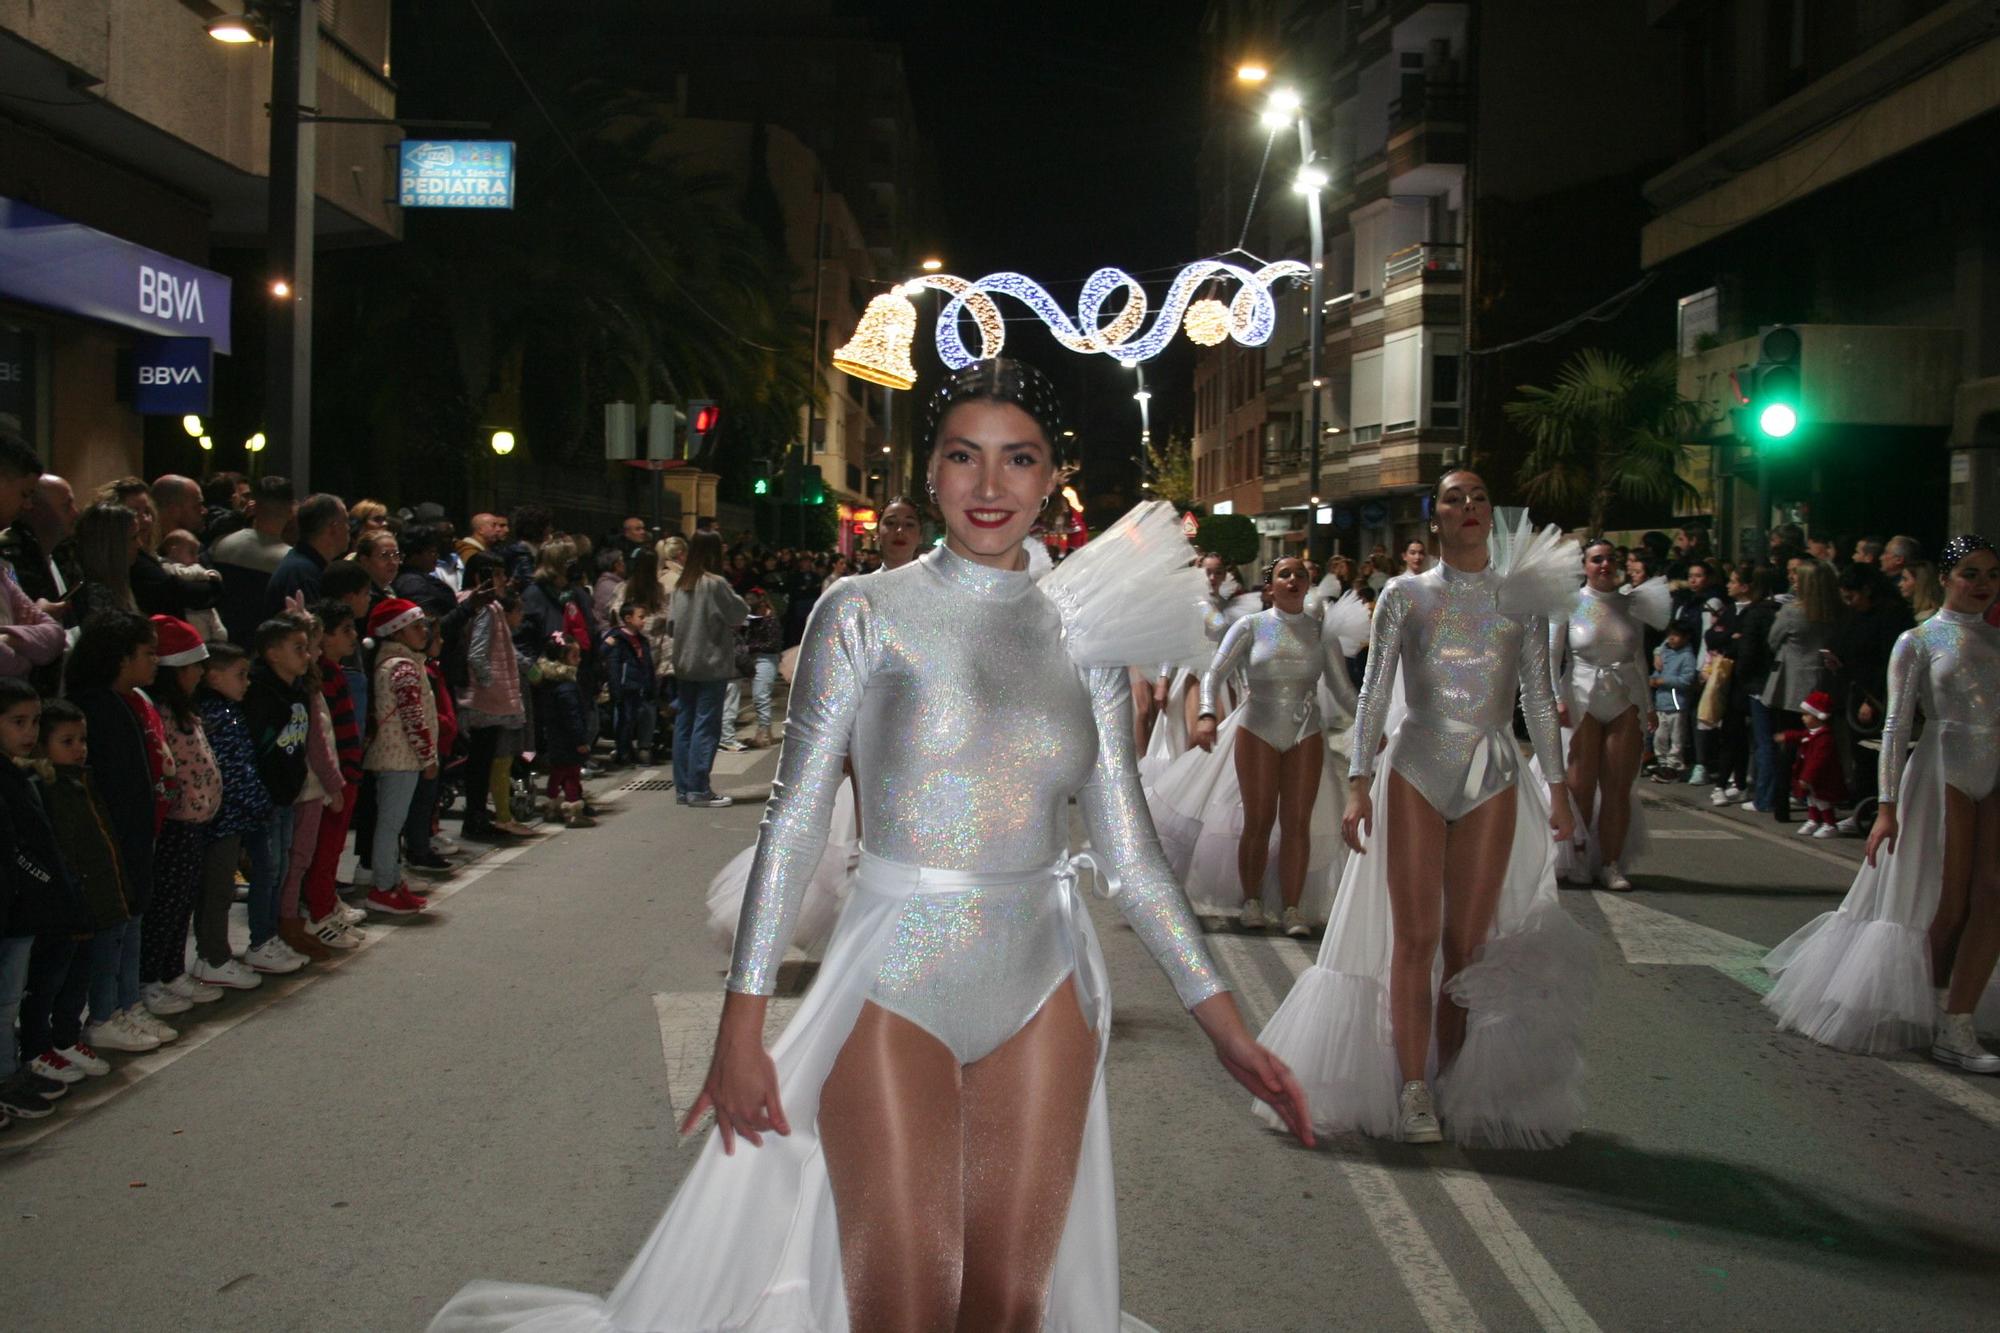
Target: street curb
(1847,852)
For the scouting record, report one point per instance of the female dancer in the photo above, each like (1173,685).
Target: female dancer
(1599,701)
(1924,911)
(1416,556)
(1220,607)
(940,1148)
(1455,907)
(899,532)
(1285,655)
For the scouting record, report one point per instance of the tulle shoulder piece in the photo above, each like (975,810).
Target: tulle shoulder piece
(1130,596)
(1243,605)
(1652,602)
(1039,564)
(1540,572)
(1345,619)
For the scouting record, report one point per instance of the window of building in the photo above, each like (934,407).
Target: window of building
(1444,389)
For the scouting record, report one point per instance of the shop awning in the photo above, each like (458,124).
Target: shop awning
(50,261)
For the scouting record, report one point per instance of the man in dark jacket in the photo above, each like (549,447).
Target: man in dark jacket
(1859,658)
(322,523)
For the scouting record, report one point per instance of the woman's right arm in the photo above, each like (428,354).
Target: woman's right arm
(1781,628)
(1235,647)
(1385,642)
(1906,666)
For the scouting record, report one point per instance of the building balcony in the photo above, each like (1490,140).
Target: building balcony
(1428,262)
(1428,140)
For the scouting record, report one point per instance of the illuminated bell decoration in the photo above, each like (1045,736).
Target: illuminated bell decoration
(1207,322)
(879,351)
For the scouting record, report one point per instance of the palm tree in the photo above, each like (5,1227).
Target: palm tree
(1609,431)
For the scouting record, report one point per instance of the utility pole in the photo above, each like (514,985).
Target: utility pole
(293,167)
(812,379)
(1314,316)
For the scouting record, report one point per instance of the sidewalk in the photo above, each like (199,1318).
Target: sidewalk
(1692,798)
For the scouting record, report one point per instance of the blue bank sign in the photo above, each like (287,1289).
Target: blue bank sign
(171,377)
(50,261)
(456,173)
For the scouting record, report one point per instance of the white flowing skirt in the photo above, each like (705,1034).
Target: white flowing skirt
(1583,866)
(825,891)
(1859,978)
(1197,807)
(1518,1080)
(750,1243)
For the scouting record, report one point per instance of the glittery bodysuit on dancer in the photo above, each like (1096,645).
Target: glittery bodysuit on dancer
(1606,646)
(1949,667)
(1284,659)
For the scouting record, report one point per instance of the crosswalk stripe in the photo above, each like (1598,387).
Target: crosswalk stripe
(1547,1295)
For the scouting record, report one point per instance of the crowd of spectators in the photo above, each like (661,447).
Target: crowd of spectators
(211,691)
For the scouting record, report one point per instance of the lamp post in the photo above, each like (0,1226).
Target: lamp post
(289,221)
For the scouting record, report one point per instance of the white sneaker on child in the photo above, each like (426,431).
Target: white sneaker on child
(198,992)
(1827,831)
(89,1061)
(231,975)
(117,1033)
(353,916)
(1807,829)
(273,956)
(159,999)
(151,1026)
(334,932)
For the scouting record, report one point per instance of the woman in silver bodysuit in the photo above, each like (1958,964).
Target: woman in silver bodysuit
(1601,702)
(1280,752)
(1909,957)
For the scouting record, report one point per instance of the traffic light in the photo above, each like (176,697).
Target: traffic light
(762,484)
(812,485)
(702,418)
(1775,404)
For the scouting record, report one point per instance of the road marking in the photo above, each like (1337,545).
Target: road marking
(1551,1300)
(128,1072)
(735,763)
(1436,1293)
(1752,829)
(687,1039)
(1648,935)
(1693,835)
(1952,1087)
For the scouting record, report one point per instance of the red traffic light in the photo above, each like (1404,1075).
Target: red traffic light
(705,417)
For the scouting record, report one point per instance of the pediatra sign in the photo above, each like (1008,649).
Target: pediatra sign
(456,173)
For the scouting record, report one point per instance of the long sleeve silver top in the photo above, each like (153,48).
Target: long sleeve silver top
(1948,668)
(1463,662)
(970,729)
(1284,659)
(1606,648)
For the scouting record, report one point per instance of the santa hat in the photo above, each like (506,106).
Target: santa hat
(177,642)
(1819,703)
(392,616)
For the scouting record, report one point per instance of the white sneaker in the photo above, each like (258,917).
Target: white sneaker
(1720,796)
(1416,1119)
(1958,1044)
(151,1026)
(1253,914)
(1827,831)
(273,956)
(1295,924)
(1807,829)
(55,1065)
(353,916)
(1612,878)
(89,1061)
(333,932)
(160,999)
(303,959)
(1733,795)
(1850,827)
(189,989)
(231,975)
(118,1033)
(1697,776)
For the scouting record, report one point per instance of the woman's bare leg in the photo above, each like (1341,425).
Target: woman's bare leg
(1024,1110)
(1979,941)
(1476,849)
(1624,744)
(1415,835)
(1299,771)
(1586,751)
(1257,777)
(1961,838)
(892,1126)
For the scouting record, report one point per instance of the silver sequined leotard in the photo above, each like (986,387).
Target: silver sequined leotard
(1949,669)
(1463,661)
(1284,660)
(1606,646)
(970,730)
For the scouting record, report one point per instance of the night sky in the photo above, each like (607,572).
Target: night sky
(1065,137)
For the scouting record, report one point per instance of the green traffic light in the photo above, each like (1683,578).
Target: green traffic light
(1778,420)
(763,486)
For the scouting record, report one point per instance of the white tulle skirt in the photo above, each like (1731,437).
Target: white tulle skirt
(1582,866)
(1859,978)
(1197,806)
(825,891)
(750,1243)
(1169,739)
(1518,1080)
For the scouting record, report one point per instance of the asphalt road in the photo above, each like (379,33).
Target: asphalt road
(491,1092)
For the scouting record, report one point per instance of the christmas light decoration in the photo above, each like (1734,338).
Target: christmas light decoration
(1207,322)
(879,351)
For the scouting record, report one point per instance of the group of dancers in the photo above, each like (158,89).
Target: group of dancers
(927,1145)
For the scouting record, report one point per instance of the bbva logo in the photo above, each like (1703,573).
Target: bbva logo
(169,375)
(170,296)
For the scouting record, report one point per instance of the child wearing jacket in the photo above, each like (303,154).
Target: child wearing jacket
(1817,778)
(192,802)
(245,811)
(112,661)
(567,731)
(276,713)
(323,788)
(332,923)
(402,748)
(489,706)
(1673,679)
(634,683)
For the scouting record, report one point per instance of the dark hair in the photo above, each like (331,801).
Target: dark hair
(343,578)
(704,557)
(273,631)
(273,490)
(1860,578)
(1763,581)
(332,614)
(482,566)
(60,713)
(895,500)
(14,692)
(627,608)
(318,513)
(530,523)
(222,653)
(220,489)
(1648,559)
(415,540)
(1706,566)
(108,641)
(17,457)
(642,580)
(1594,542)
(167,693)
(1000,380)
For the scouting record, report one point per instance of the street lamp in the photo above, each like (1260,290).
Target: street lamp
(238,29)
(1287,107)
(1252,71)
(503,442)
(933,265)
(192,425)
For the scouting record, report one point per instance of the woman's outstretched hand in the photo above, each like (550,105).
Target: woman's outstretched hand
(742,1085)
(1255,1068)
(1883,834)
(1360,816)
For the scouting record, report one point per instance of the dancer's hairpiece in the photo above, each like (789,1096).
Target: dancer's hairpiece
(1001,380)
(1958,548)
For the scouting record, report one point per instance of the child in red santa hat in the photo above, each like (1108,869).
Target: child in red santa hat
(1816,775)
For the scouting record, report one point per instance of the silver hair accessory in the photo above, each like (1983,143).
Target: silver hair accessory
(1958,548)
(1004,380)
